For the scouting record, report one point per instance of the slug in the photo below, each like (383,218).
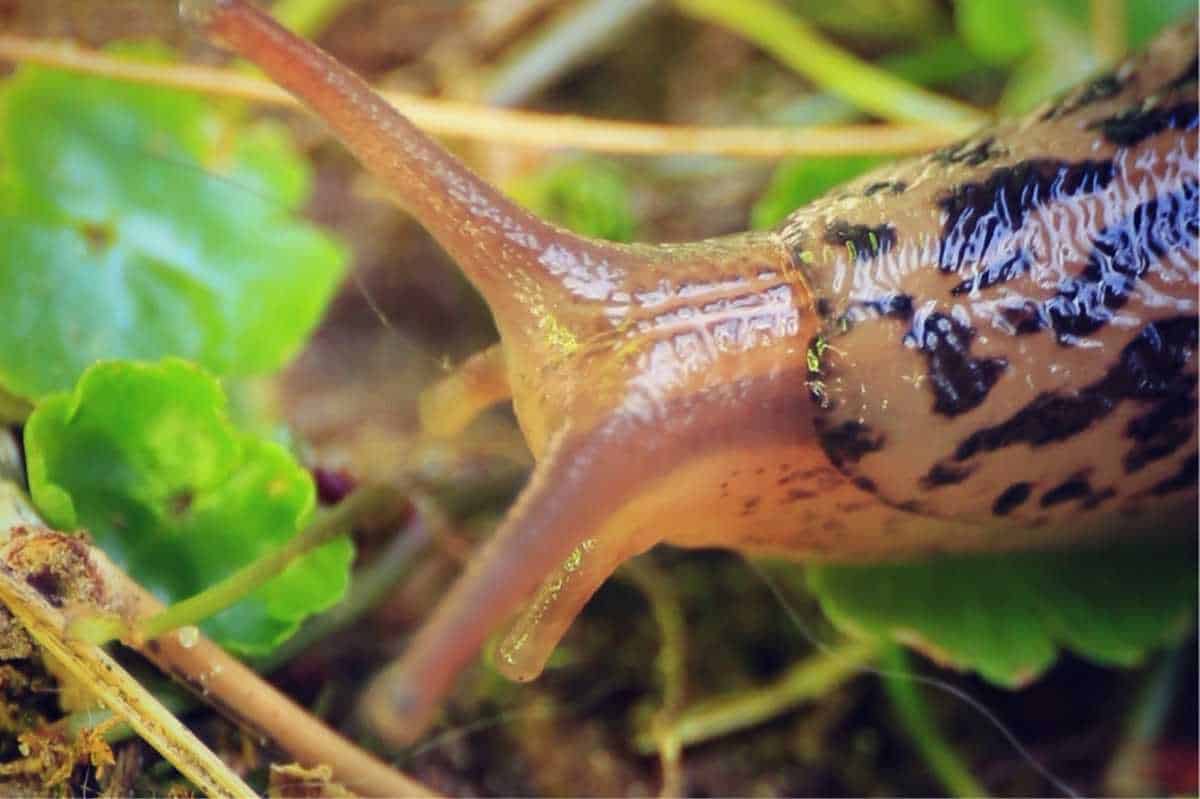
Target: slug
(987,348)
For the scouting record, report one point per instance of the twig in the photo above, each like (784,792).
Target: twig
(246,699)
(221,681)
(523,128)
(112,685)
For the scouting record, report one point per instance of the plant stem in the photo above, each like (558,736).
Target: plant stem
(913,714)
(672,669)
(793,41)
(519,128)
(371,584)
(808,680)
(329,524)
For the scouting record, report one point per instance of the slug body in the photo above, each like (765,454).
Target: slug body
(988,348)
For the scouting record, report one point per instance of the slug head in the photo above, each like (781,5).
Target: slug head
(634,371)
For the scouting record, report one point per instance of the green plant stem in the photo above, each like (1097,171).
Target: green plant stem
(1128,773)
(808,680)
(672,669)
(775,29)
(333,522)
(369,587)
(913,714)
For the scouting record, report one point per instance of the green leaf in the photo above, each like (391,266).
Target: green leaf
(1148,17)
(998,31)
(802,180)
(1007,616)
(145,458)
(588,196)
(137,223)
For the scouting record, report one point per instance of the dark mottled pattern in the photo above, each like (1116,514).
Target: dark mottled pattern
(1011,498)
(959,382)
(866,484)
(862,241)
(945,474)
(999,271)
(970,153)
(824,306)
(979,214)
(1134,125)
(1102,88)
(1074,487)
(1161,430)
(1122,254)
(890,186)
(889,306)
(1182,480)
(848,442)
(1151,368)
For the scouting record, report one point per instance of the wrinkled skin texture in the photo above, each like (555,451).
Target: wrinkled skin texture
(992,347)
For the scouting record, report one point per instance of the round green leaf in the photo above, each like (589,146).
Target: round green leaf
(144,457)
(137,223)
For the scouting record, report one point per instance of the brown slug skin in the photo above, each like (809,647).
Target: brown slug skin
(988,348)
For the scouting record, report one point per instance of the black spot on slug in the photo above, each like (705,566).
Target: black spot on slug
(1102,88)
(1011,498)
(1161,430)
(798,494)
(980,215)
(866,484)
(1149,368)
(823,307)
(1134,125)
(944,474)
(958,381)
(1188,75)
(863,242)
(890,186)
(1095,498)
(894,306)
(848,442)
(970,153)
(1076,487)
(887,306)
(999,271)
(1182,480)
